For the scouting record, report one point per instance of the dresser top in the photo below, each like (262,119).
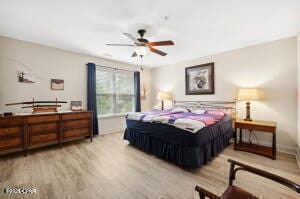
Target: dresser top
(45,113)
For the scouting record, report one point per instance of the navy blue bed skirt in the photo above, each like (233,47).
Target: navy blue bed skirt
(185,156)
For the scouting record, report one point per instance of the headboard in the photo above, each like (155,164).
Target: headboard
(227,106)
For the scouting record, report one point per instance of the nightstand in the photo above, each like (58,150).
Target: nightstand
(260,127)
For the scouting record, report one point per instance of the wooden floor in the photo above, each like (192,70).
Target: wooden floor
(110,168)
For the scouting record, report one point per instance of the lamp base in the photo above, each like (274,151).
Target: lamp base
(248,112)
(162,105)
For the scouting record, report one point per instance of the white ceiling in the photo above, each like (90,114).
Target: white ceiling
(198,27)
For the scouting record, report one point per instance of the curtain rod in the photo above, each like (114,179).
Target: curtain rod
(115,68)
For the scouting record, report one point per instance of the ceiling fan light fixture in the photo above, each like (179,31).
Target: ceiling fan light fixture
(141,45)
(140,50)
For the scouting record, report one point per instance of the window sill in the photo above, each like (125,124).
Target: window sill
(112,115)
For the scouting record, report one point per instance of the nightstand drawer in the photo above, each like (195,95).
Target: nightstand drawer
(255,127)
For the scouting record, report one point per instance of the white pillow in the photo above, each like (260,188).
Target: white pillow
(179,110)
(199,111)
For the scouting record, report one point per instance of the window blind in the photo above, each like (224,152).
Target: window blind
(115,91)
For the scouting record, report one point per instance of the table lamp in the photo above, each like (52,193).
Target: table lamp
(248,95)
(163,96)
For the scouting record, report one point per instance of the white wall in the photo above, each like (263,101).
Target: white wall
(48,63)
(270,66)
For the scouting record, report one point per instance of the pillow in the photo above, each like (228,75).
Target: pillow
(179,110)
(199,111)
(215,112)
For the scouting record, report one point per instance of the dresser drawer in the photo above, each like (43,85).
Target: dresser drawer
(10,143)
(42,119)
(11,121)
(76,133)
(37,128)
(42,138)
(74,116)
(9,131)
(77,123)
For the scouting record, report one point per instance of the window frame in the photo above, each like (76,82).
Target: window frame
(114,94)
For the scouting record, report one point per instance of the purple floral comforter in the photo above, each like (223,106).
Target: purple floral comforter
(189,121)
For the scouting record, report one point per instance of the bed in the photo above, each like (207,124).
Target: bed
(184,146)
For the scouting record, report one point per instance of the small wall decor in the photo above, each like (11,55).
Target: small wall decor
(199,79)
(144,91)
(76,105)
(57,84)
(25,77)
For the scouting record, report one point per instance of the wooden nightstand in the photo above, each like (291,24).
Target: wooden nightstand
(260,126)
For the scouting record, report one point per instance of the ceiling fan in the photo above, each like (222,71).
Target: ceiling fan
(141,44)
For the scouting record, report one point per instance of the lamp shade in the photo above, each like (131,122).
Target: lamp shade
(248,94)
(164,96)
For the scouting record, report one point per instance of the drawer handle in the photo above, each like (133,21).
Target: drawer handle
(6,130)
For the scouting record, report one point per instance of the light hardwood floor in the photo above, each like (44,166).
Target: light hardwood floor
(110,168)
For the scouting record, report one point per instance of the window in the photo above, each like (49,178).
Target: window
(115,91)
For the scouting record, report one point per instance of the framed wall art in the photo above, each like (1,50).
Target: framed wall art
(25,77)
(199,80)
(57,84)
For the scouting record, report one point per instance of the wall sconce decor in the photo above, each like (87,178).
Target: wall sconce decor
(144,91)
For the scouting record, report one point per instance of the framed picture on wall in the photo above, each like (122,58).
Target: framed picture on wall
(25,77)
(57,84)
(199,80)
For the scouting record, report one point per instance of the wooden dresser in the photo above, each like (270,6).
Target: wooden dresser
(20,133)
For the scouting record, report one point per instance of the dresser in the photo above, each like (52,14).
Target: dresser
(21,133)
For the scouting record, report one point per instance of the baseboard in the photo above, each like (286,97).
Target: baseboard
(282,148)
(112,130)
(298,156)
(279,147)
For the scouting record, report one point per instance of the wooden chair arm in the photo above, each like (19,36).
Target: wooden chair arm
(204,193)
(276,178)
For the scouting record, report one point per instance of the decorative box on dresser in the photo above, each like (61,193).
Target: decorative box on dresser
(20,133)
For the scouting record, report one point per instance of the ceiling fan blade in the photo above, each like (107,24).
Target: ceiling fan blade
(119,44)
(158,51)
(134,54)
(130,36)
(161,43)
